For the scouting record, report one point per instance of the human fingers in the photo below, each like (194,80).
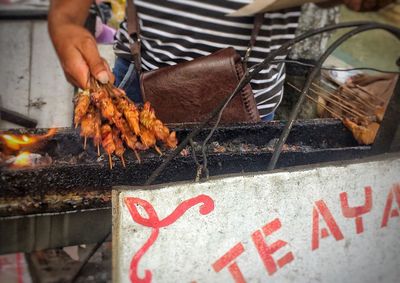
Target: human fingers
(98,69)
(109,71)
(75,68)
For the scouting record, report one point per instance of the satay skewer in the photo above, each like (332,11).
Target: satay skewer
(87,126)
(119,146)
(129,138)
(125,120)
(130,112)
(108,142)
(82,106)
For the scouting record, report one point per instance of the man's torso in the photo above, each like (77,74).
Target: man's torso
(175,31)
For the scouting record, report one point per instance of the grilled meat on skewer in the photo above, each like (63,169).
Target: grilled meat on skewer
(363,134)
(147,116)
(103,101)
(130,112)
(108,141)
(171,141)
(148,139)
(126,124)
(118,92)
(81,107)
(119,146)
(129,138)
(88,125)
(160,131)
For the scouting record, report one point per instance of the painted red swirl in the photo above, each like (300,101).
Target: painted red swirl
(155,223)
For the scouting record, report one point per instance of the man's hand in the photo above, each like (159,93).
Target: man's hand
(75,46)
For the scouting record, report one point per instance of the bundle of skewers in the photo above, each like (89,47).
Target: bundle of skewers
(360,109)
(112,120)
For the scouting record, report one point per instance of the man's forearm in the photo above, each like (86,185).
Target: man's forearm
(68,12)
(75,45)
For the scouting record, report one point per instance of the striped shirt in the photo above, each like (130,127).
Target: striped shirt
(174,31)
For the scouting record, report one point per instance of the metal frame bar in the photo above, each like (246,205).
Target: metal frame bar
(388,137)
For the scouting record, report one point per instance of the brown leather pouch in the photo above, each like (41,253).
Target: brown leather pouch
(189,92)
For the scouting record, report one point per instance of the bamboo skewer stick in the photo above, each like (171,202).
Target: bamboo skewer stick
(110,161)
(327,108)
(338,97)
(344,87)
(158,150)
(351,95)
(342,106)
(123,161)
(369,93)
(365,101)
(84,142)
(137,156)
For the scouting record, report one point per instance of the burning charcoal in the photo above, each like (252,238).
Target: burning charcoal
(185,152)
(244,148)
(27,159)
(217,148)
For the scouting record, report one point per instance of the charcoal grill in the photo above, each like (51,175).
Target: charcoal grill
(233,149)
(70,198)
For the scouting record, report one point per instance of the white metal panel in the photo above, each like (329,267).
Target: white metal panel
(305,209)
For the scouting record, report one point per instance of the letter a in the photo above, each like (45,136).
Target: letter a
(320,208)
(389,212)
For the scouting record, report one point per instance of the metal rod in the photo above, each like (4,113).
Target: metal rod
(17,118)
(388,136)
(89,256)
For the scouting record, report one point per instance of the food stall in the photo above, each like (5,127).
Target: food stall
(325,208)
